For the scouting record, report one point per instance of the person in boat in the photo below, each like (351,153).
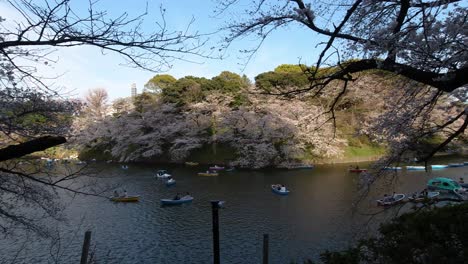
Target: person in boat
(461,181)
(116,193)
(278,186)
(385,197)
(187,194)
(283,189)
(177,197)
(357,167)
(125,193)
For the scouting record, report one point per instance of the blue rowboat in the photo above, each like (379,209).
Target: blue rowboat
(453,165)
(274,188)
(391,168)
(415,168)
(438,167)
(184,199)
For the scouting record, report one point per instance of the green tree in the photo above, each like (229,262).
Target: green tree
(160,82)
(183,91)
(229,82)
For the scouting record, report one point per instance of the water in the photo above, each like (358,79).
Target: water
(316,216)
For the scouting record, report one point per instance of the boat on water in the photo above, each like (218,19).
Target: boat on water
(421,196)
(279,189)
(162,174)
(182,200)
(230,169)
(445,184)
(190,163)
(438,167)
(125,199)
(170,182)
(415,168)
(453,165)
(124,167)
(208,173)
(391,200)
(358,170)
(391,168)
(301,167)
(215,167)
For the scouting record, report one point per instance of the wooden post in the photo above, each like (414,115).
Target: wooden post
(265,248)
(215,221)
(85,250)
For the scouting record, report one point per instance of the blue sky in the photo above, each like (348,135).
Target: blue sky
(83,68)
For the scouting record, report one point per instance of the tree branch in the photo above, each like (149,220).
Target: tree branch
(38,144)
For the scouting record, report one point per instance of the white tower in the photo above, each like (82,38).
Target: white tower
(134,90)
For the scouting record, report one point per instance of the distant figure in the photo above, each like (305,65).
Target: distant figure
(385,197)
(177,197)
(278,187)
(357,167)
(461,180)
(283,189)
(116,193)
(125,193)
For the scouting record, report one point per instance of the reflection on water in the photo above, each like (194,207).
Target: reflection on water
(317,215)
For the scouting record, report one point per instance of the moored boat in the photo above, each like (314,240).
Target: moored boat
(438,167)
(208,173)
(230,169)
(184,199)
(162,174)
(418,197)
(391,168)
(301,167)
(125,199)
(391,200)
(279,189)
(445,184)
(190,163)
(415,168)
(453,165)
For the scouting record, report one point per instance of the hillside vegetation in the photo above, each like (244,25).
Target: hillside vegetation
(227,119)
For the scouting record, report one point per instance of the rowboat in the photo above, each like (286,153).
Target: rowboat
(125,199)
(418,197)
(444,184)
(301,166)
(189,163)
(230,169)
(208,173)
(216,168)
(391,200)
(438,167)
(357,170)
(391,168)
(415,168)
(274,188)
(452,165)
(184,199)
(170,182)
(162,174)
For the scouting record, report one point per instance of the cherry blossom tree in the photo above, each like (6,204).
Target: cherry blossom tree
(422,42)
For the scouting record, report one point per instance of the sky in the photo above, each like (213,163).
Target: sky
(79,69)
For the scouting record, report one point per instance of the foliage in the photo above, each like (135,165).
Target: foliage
(415,40)
(439,235)
(160,82)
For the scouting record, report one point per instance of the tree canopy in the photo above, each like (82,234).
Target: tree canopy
(422,42)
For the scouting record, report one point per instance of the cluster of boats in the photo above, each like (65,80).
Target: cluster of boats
(434,188)
(413,168)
